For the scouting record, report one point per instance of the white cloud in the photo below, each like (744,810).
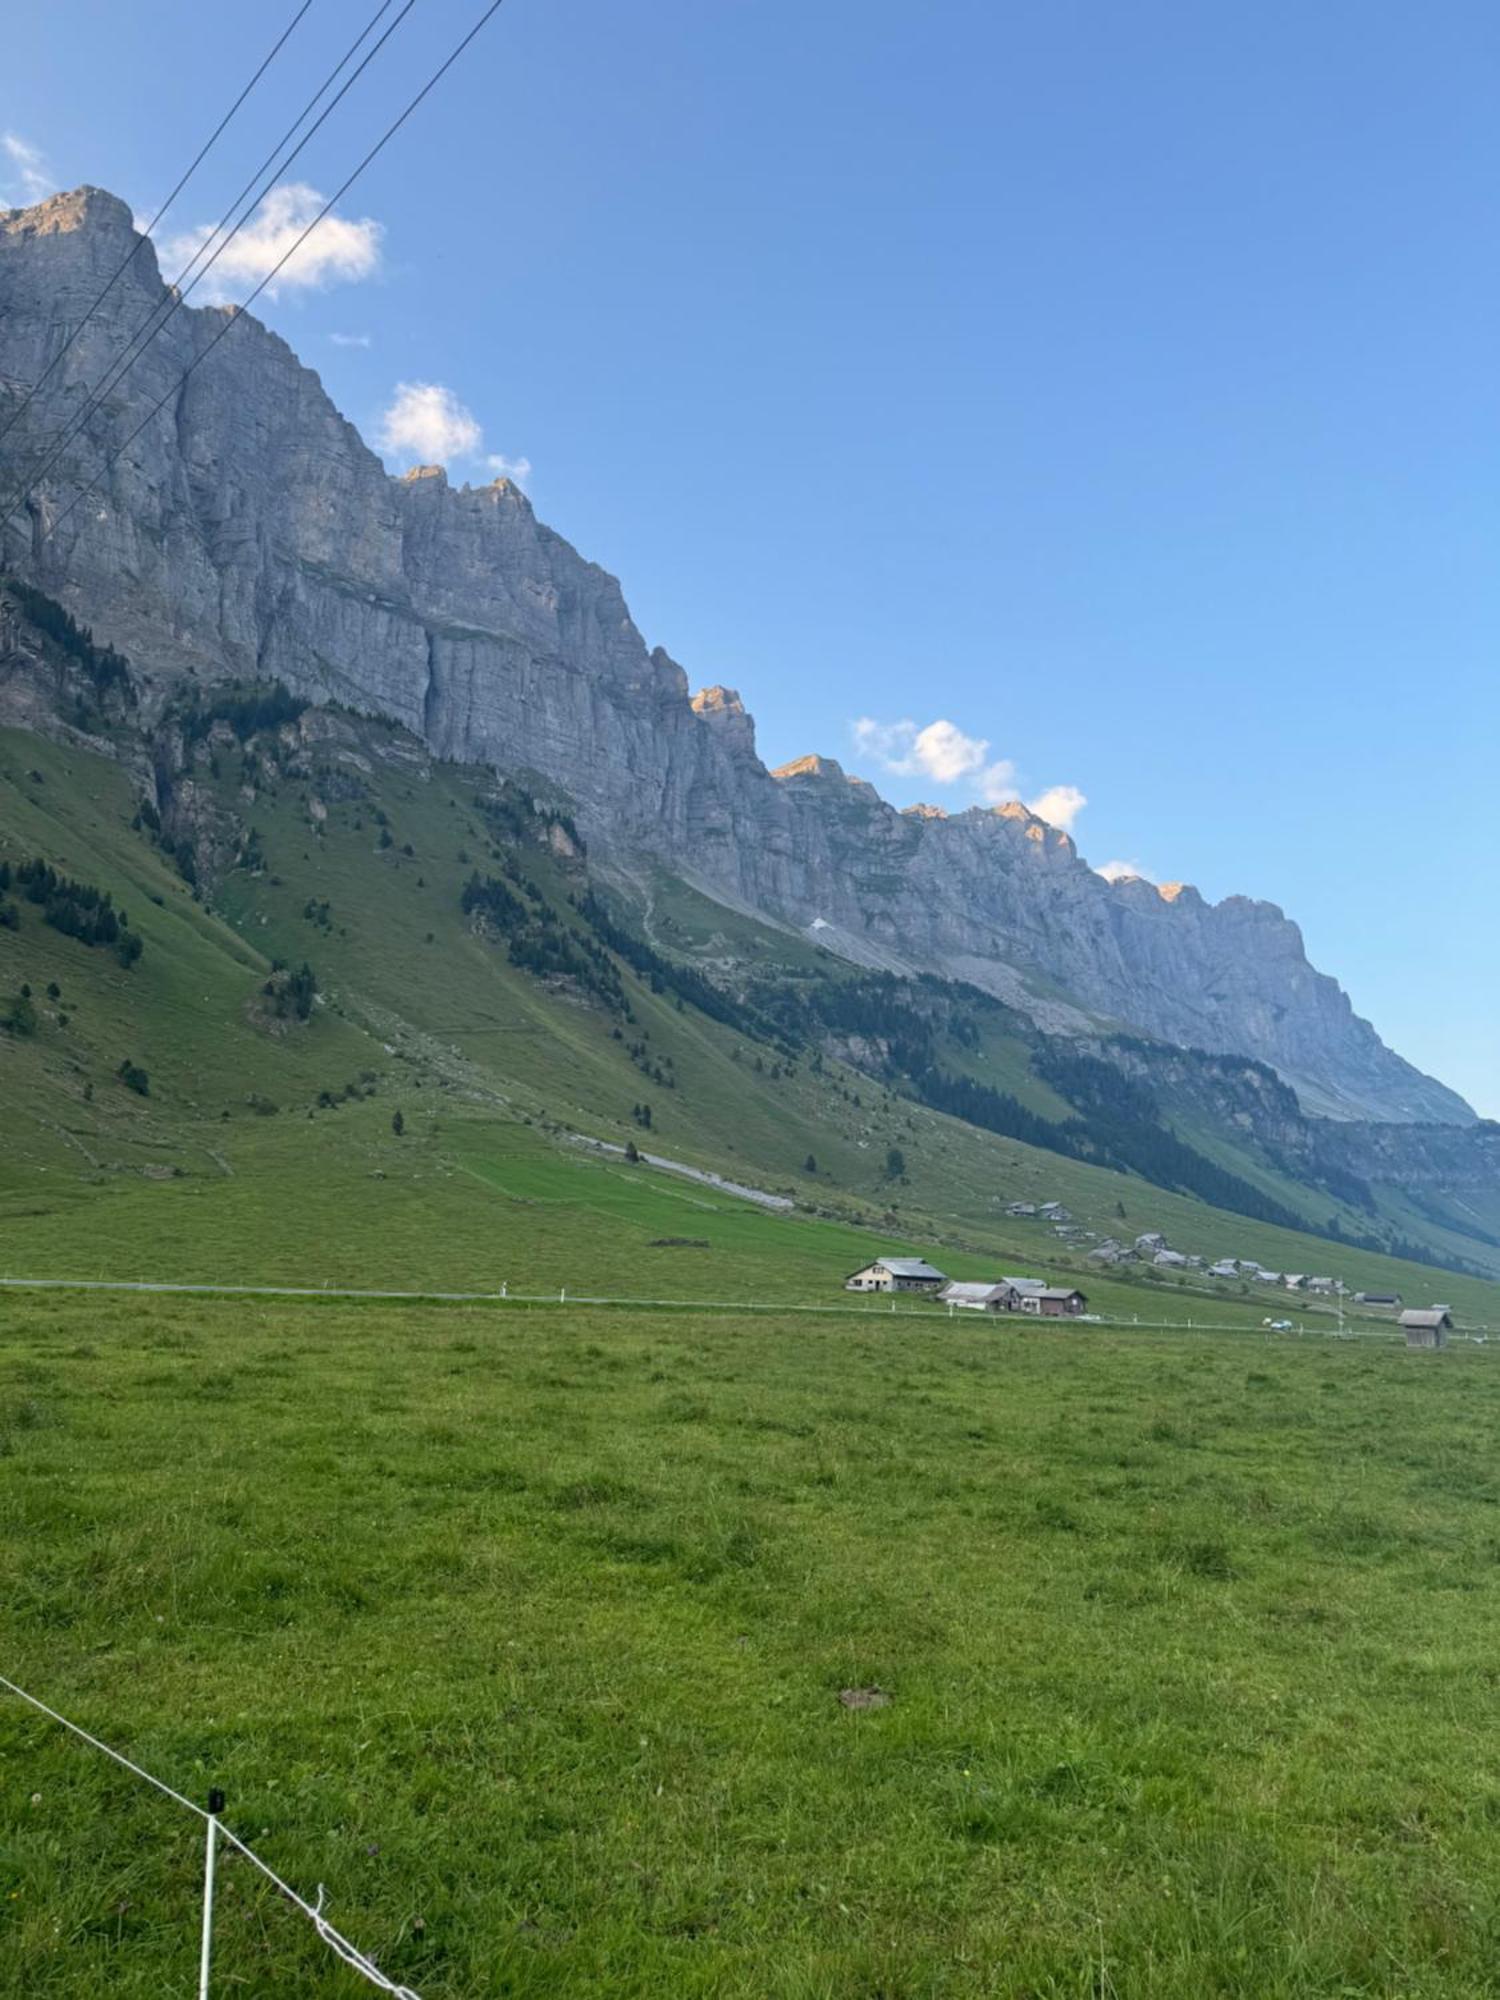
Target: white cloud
(941,750)
(889,743)
(517,470)
(25,169)
(1124,871)
(351,339)
(997,783)
(1059,806)
(944,752)
(949,755)
(427,423)
(338,251)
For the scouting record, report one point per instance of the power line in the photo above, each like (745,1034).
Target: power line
(281,165)
(137,344)
(15,416)
(179,295)
(239,311)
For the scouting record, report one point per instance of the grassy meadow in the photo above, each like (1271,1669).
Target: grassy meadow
(526,1632)
(524,1629)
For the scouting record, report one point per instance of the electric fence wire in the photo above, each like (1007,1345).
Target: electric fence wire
(351,1955)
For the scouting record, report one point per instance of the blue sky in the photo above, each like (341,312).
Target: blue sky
(1114,385)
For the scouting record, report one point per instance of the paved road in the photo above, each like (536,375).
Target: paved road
(564,1299)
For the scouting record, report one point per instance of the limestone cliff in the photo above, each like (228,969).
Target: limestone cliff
(249,531)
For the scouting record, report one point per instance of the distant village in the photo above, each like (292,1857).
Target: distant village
(1152,1248)
(1426,1326)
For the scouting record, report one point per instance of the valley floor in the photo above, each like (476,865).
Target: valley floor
(525,1634)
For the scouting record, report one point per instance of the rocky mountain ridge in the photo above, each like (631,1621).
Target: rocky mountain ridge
(249,532)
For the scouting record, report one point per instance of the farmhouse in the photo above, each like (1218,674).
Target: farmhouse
(1169,1260)
(1427,1329)
(1053,1302)
(1225,1268)
(1110,1252)
(896,1274)
(980,1297)
(1377,1299)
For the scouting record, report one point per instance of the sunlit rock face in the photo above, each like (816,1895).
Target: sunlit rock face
(249,531)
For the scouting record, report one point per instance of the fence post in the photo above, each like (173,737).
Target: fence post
(215,1807)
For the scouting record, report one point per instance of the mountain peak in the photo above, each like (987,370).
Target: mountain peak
(724,712)
(87,231)
(718,701)
(78,208)
(827,769)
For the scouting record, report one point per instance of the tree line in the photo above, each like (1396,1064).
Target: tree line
(78,909)
(538,942)
(105,667)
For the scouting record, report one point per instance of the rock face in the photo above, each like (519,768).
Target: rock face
(248,531)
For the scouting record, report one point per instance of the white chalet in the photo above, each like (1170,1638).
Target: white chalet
(896,1274)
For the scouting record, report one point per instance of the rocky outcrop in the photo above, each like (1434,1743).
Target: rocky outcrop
(248,531)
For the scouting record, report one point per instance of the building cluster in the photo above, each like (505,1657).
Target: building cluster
(1153,1248)
(1022,1295)
(1427,1326)
(1041,1211)
(1032,1296)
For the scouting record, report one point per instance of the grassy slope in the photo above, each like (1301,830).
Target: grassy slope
(525,1636)
(470,1049)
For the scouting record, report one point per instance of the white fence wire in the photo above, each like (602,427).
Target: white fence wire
(337,1943)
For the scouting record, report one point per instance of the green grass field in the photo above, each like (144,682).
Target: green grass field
(525,1633)
(524,1628)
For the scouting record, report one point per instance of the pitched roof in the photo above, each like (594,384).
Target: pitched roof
(909,1267)
(1060,1292)
(1431,1319)
(968,1288)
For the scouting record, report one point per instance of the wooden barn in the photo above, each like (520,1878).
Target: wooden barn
(1429,1328)
(1054,1302)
